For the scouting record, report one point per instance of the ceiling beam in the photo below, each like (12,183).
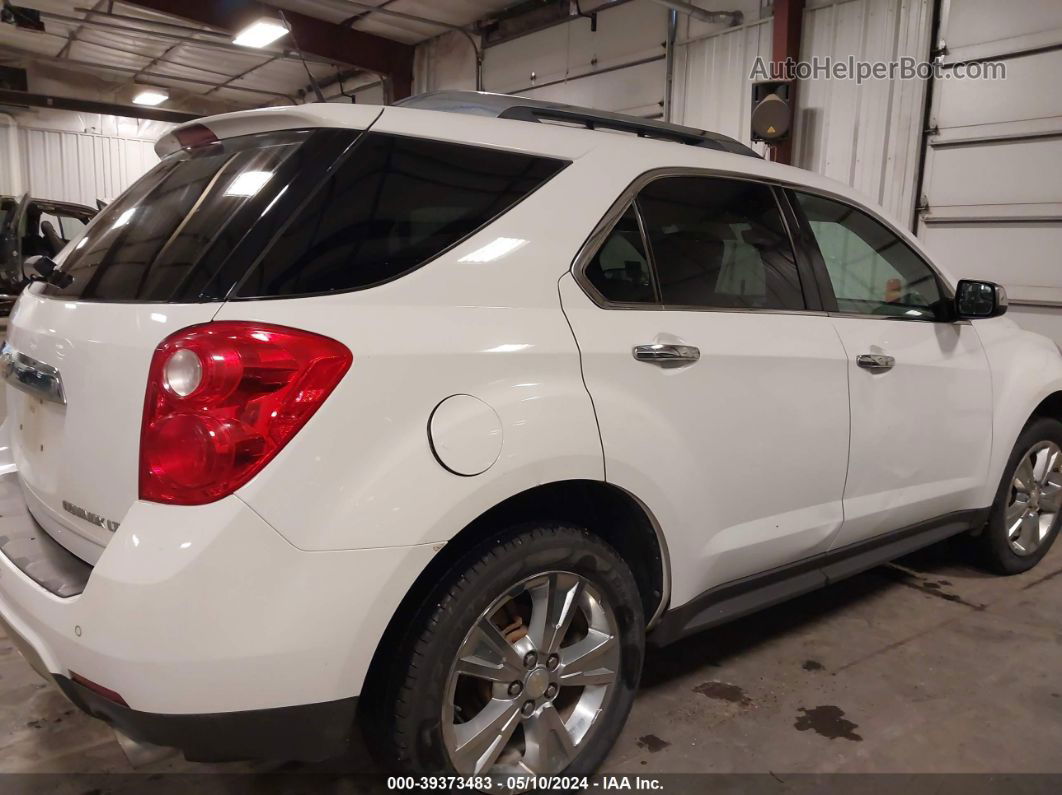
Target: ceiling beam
(392,60)
(25,99)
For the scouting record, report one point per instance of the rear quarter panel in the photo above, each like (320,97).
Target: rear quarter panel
(362,473)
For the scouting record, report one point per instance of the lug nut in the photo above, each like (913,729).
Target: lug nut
(551,691)
(527,709)
(530,659)
(552,662)
(515,688)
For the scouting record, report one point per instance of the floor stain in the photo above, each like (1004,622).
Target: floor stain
(912,580)
(1045,578)
(829,721)
(724,692)
(652,743)
(812,665)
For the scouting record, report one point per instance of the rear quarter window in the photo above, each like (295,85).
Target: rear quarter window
(165,238)
(391,206)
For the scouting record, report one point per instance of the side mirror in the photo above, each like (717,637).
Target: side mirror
(39,266)
(974,299)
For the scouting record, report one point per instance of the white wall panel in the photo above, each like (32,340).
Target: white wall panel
(445,62)
(712,89)
(81,167)
(10,173)
(563,63)
(867,136)
(634,89)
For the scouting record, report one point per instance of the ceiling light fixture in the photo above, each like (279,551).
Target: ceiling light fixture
(261,33)
(151,96)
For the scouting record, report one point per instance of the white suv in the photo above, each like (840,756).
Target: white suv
(435,419)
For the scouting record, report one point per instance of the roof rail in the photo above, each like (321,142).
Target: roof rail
(505,106)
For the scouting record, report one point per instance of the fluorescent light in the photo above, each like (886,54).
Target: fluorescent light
(260,33)
(151,96)
(248,183)
(496,249)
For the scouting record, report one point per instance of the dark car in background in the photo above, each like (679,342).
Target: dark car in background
(29,227)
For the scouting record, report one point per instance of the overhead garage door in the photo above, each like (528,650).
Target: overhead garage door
(620,67)
(992,185)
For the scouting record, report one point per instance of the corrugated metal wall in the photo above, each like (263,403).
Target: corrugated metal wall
(867,136)
(712,89)
(10,178)
(77,165)
(81,167)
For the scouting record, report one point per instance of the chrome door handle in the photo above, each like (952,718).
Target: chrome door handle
(659,353)
(875,361)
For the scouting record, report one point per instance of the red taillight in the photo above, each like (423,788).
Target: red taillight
(222,400)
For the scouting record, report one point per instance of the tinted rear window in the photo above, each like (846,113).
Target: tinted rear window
(291,213)
(392,206)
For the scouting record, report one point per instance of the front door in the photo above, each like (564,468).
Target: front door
(721,399)
(921,394)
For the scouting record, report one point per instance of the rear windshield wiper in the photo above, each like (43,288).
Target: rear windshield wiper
(47,271)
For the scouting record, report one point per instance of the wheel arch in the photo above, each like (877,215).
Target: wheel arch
(1050,406)
(606,510)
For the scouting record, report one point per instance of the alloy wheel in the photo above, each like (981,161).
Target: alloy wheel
(1035,498)
(532,678)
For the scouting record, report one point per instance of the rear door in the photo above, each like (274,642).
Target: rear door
(160,258)
(722,399)
(921,394)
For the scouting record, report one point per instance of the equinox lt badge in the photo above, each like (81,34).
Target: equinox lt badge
(88,516)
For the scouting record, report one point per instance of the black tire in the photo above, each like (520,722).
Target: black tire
(404,723)
(996,550)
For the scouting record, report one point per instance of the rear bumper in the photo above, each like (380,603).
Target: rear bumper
(223,639)
(305,732)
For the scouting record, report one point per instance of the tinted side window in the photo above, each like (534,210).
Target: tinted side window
(620,269)
(871,269)
(719,243)
(159,241)
(394,204)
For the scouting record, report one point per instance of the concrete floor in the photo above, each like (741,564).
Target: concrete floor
(927,665)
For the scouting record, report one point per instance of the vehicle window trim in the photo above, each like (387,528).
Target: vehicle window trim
(646,247)
(650,259)
(826,285)
(806,252)
(629,196)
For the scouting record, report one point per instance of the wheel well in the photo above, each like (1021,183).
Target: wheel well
(605,510)
(1050,406)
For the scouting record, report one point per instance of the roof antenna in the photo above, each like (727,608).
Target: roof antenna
(298,51)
